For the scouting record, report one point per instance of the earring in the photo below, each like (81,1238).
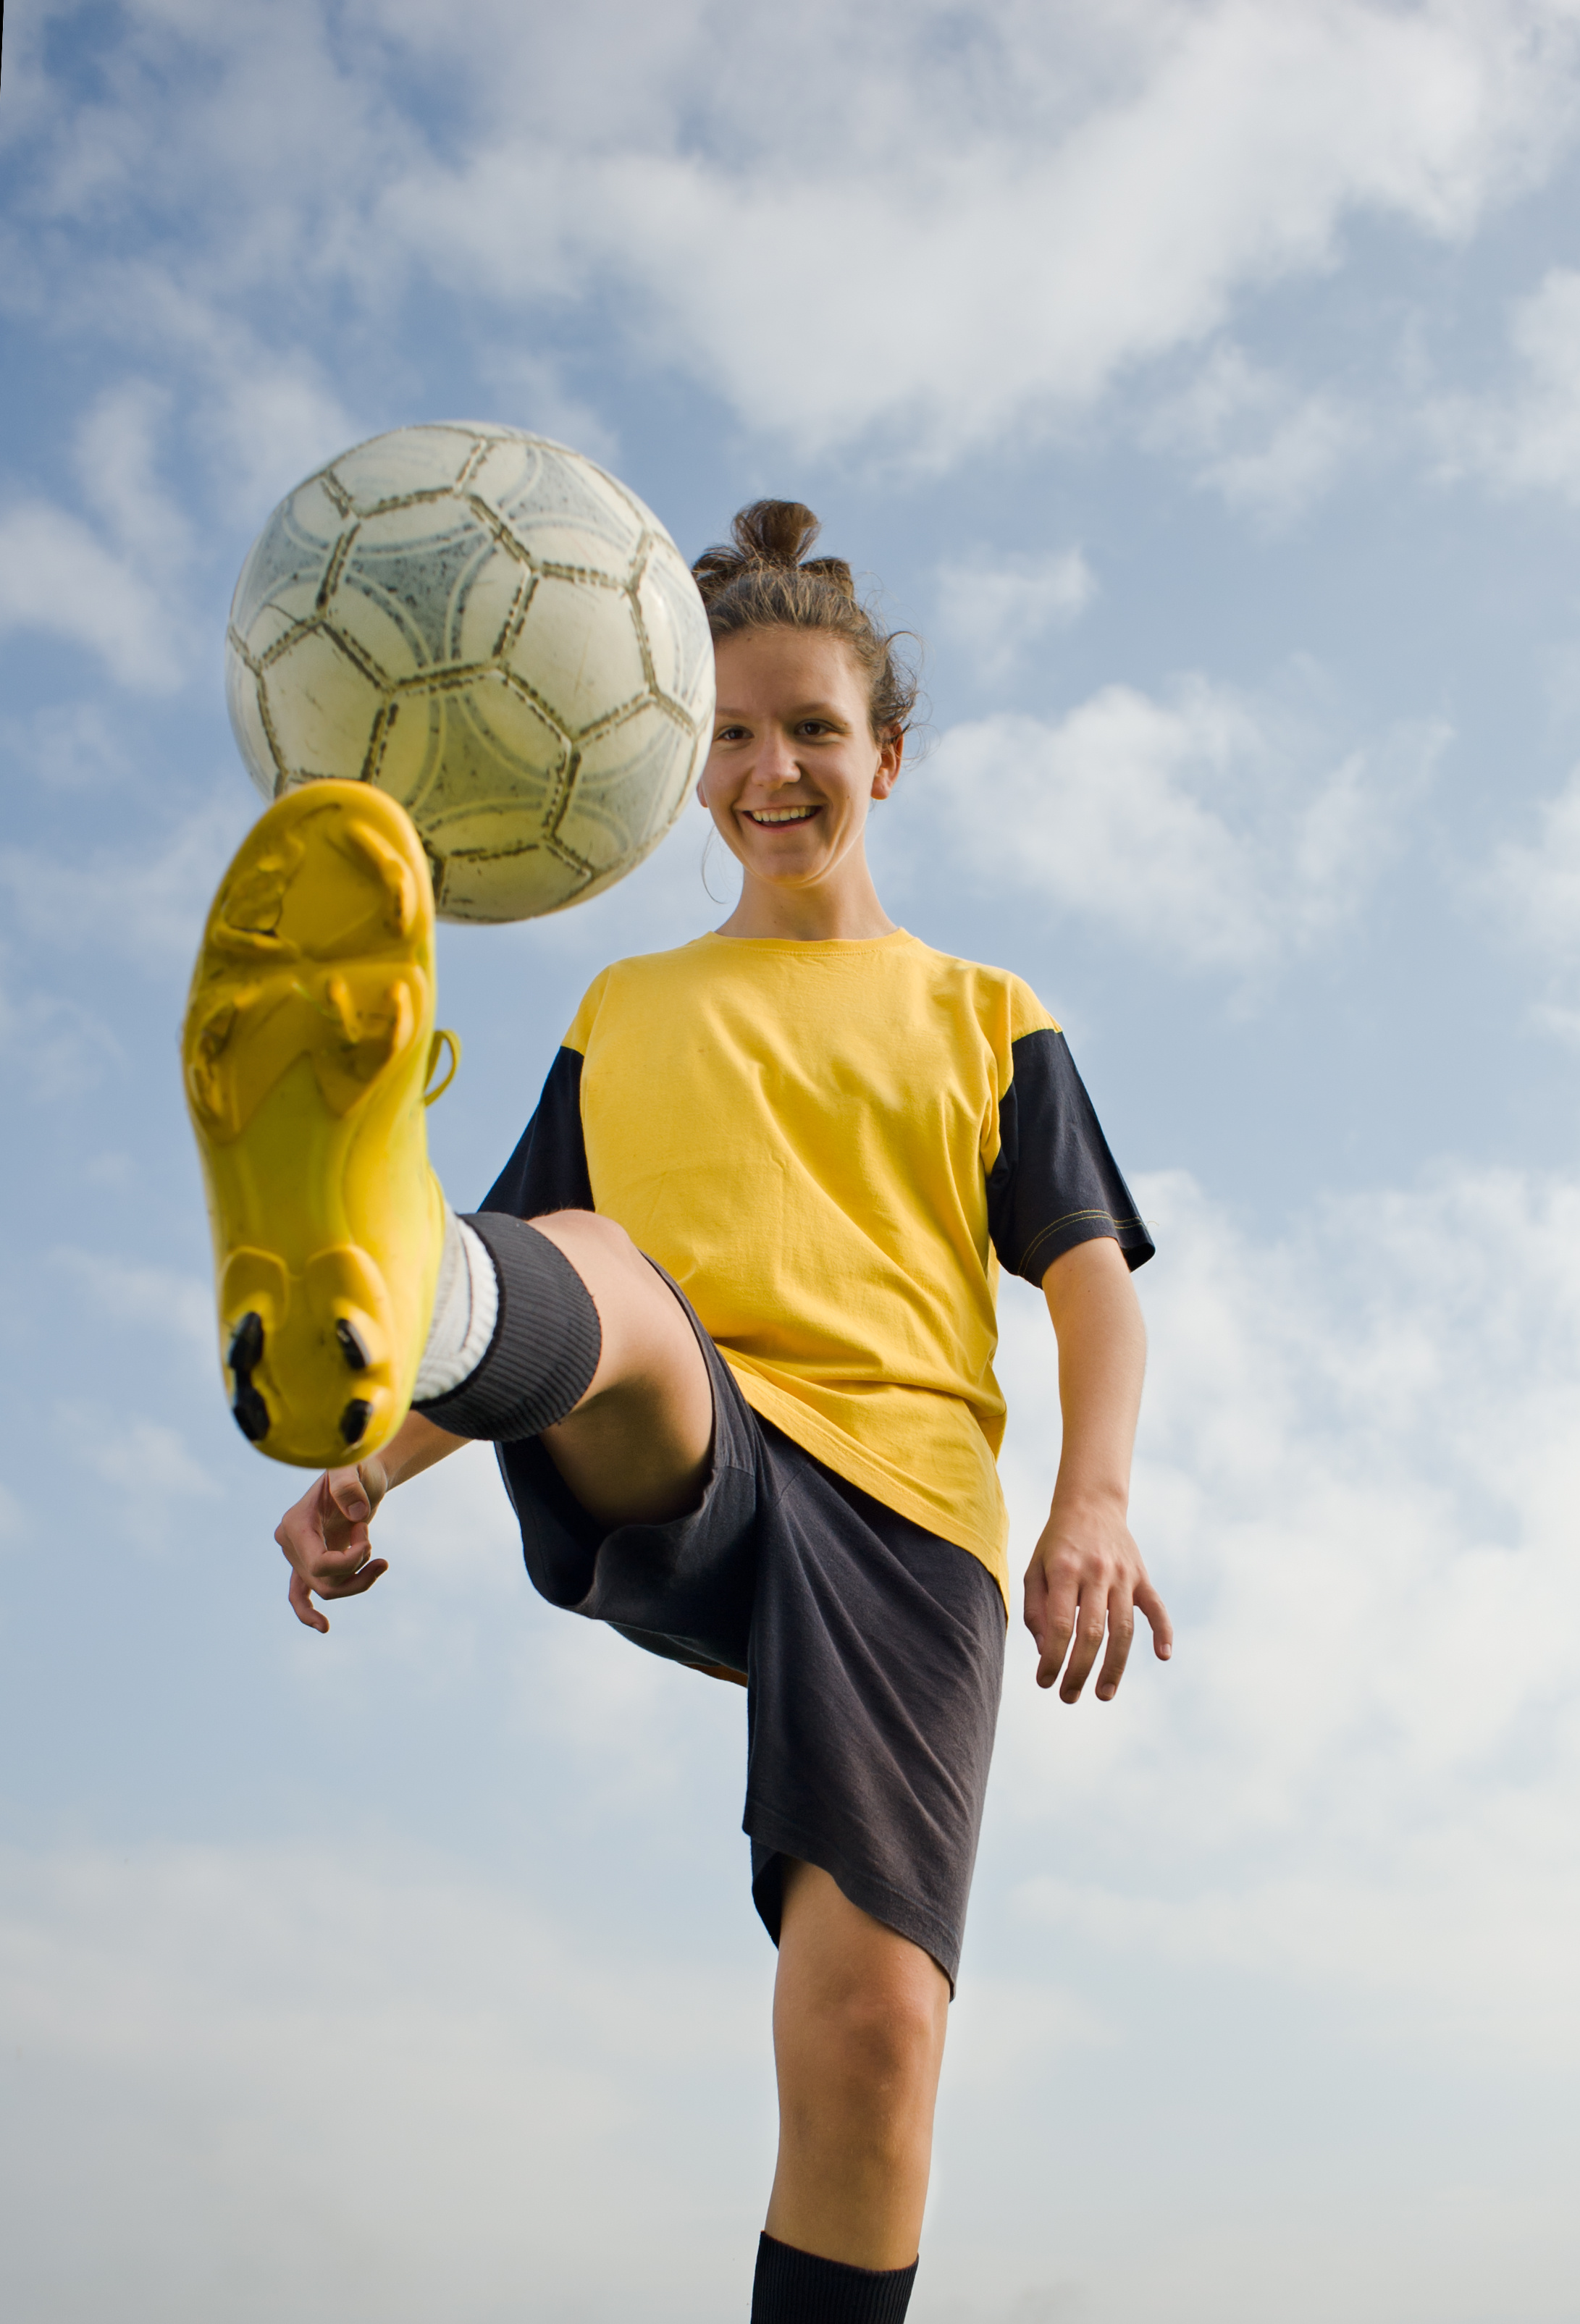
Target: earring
(702,868)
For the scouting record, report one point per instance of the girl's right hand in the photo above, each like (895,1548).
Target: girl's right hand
(325,1539)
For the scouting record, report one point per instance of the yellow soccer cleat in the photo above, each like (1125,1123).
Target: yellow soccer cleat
(308,1044)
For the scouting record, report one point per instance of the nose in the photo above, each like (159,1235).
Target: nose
(776,759)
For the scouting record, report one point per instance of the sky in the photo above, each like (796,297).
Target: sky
(1201,383)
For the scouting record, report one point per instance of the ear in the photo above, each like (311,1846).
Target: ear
(891,752)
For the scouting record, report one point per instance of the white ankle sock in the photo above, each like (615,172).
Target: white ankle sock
(466,1308)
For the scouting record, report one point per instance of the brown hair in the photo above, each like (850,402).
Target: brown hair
(767,582)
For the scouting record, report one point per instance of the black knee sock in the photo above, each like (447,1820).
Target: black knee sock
(545,1346)
(793,2287)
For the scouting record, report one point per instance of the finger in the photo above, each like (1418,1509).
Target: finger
(301,1604)
(1148,1603)
(1058,1627)
(304,1549)
(314,1528)
(344,1491)
(319,1566)
(330,1535)
(335,1565)
(351,1585)
(1088,1638)
(1121,1627)
(301,1529)
(1034,1604)
(321,1573)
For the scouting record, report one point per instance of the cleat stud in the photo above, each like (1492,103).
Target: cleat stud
(248,1408)
(251,1413)
(353,1420)
(351,1348)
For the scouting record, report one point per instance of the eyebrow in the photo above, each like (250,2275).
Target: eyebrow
(800,710)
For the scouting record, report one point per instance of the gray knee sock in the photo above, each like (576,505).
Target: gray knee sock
(542,1351)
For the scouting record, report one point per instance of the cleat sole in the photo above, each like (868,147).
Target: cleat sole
(307,1042)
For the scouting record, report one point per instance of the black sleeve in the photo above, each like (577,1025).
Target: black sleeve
(1054,1183)
(548,1169)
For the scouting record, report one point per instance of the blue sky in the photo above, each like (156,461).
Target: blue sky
(1203,383)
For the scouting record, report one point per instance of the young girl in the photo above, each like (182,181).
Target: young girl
(728,1316)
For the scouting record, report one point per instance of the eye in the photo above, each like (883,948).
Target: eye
(728,734)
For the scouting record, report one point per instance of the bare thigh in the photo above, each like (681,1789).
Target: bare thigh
(636,1450)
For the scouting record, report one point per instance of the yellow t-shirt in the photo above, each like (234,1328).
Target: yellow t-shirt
(830,1146)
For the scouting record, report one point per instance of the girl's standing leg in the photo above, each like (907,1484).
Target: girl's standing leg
(859,2018)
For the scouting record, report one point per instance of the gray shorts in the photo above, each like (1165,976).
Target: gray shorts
(872,1651)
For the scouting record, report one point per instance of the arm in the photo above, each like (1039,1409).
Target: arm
(1086,1573)
(325,1535)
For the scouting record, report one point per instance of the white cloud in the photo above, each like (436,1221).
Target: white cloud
(1267,448)
(118,453)
(69,746)
(58,1048)
(384,2090)
(972,227)
(1024,256)
(996,608)
(1358,1477)
(148,1466)
(57,576)
(1356,1793)
(536,397)
(118,597)
(1534,887)
(150,909)
(264,416)
(140,1457)
(1525,438)
(153,1298)
(1003,2029)
(265,422)
(1539,880)
(1206,827)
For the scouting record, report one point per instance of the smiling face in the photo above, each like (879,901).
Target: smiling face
(794,769)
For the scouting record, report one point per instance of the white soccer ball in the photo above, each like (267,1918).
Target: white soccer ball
(493,631)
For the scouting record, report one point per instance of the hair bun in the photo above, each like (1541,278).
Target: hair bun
(767,582)
(770,536)
(775,533)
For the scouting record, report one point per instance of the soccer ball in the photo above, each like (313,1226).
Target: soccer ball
(493,631)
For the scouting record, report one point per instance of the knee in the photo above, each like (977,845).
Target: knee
(602,1253)
(649,1349)
(885,2034)
(587,1228)
(895,2030)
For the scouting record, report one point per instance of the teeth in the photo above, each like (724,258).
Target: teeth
(779,815)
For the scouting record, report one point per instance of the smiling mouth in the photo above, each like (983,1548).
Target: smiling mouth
(773,814)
